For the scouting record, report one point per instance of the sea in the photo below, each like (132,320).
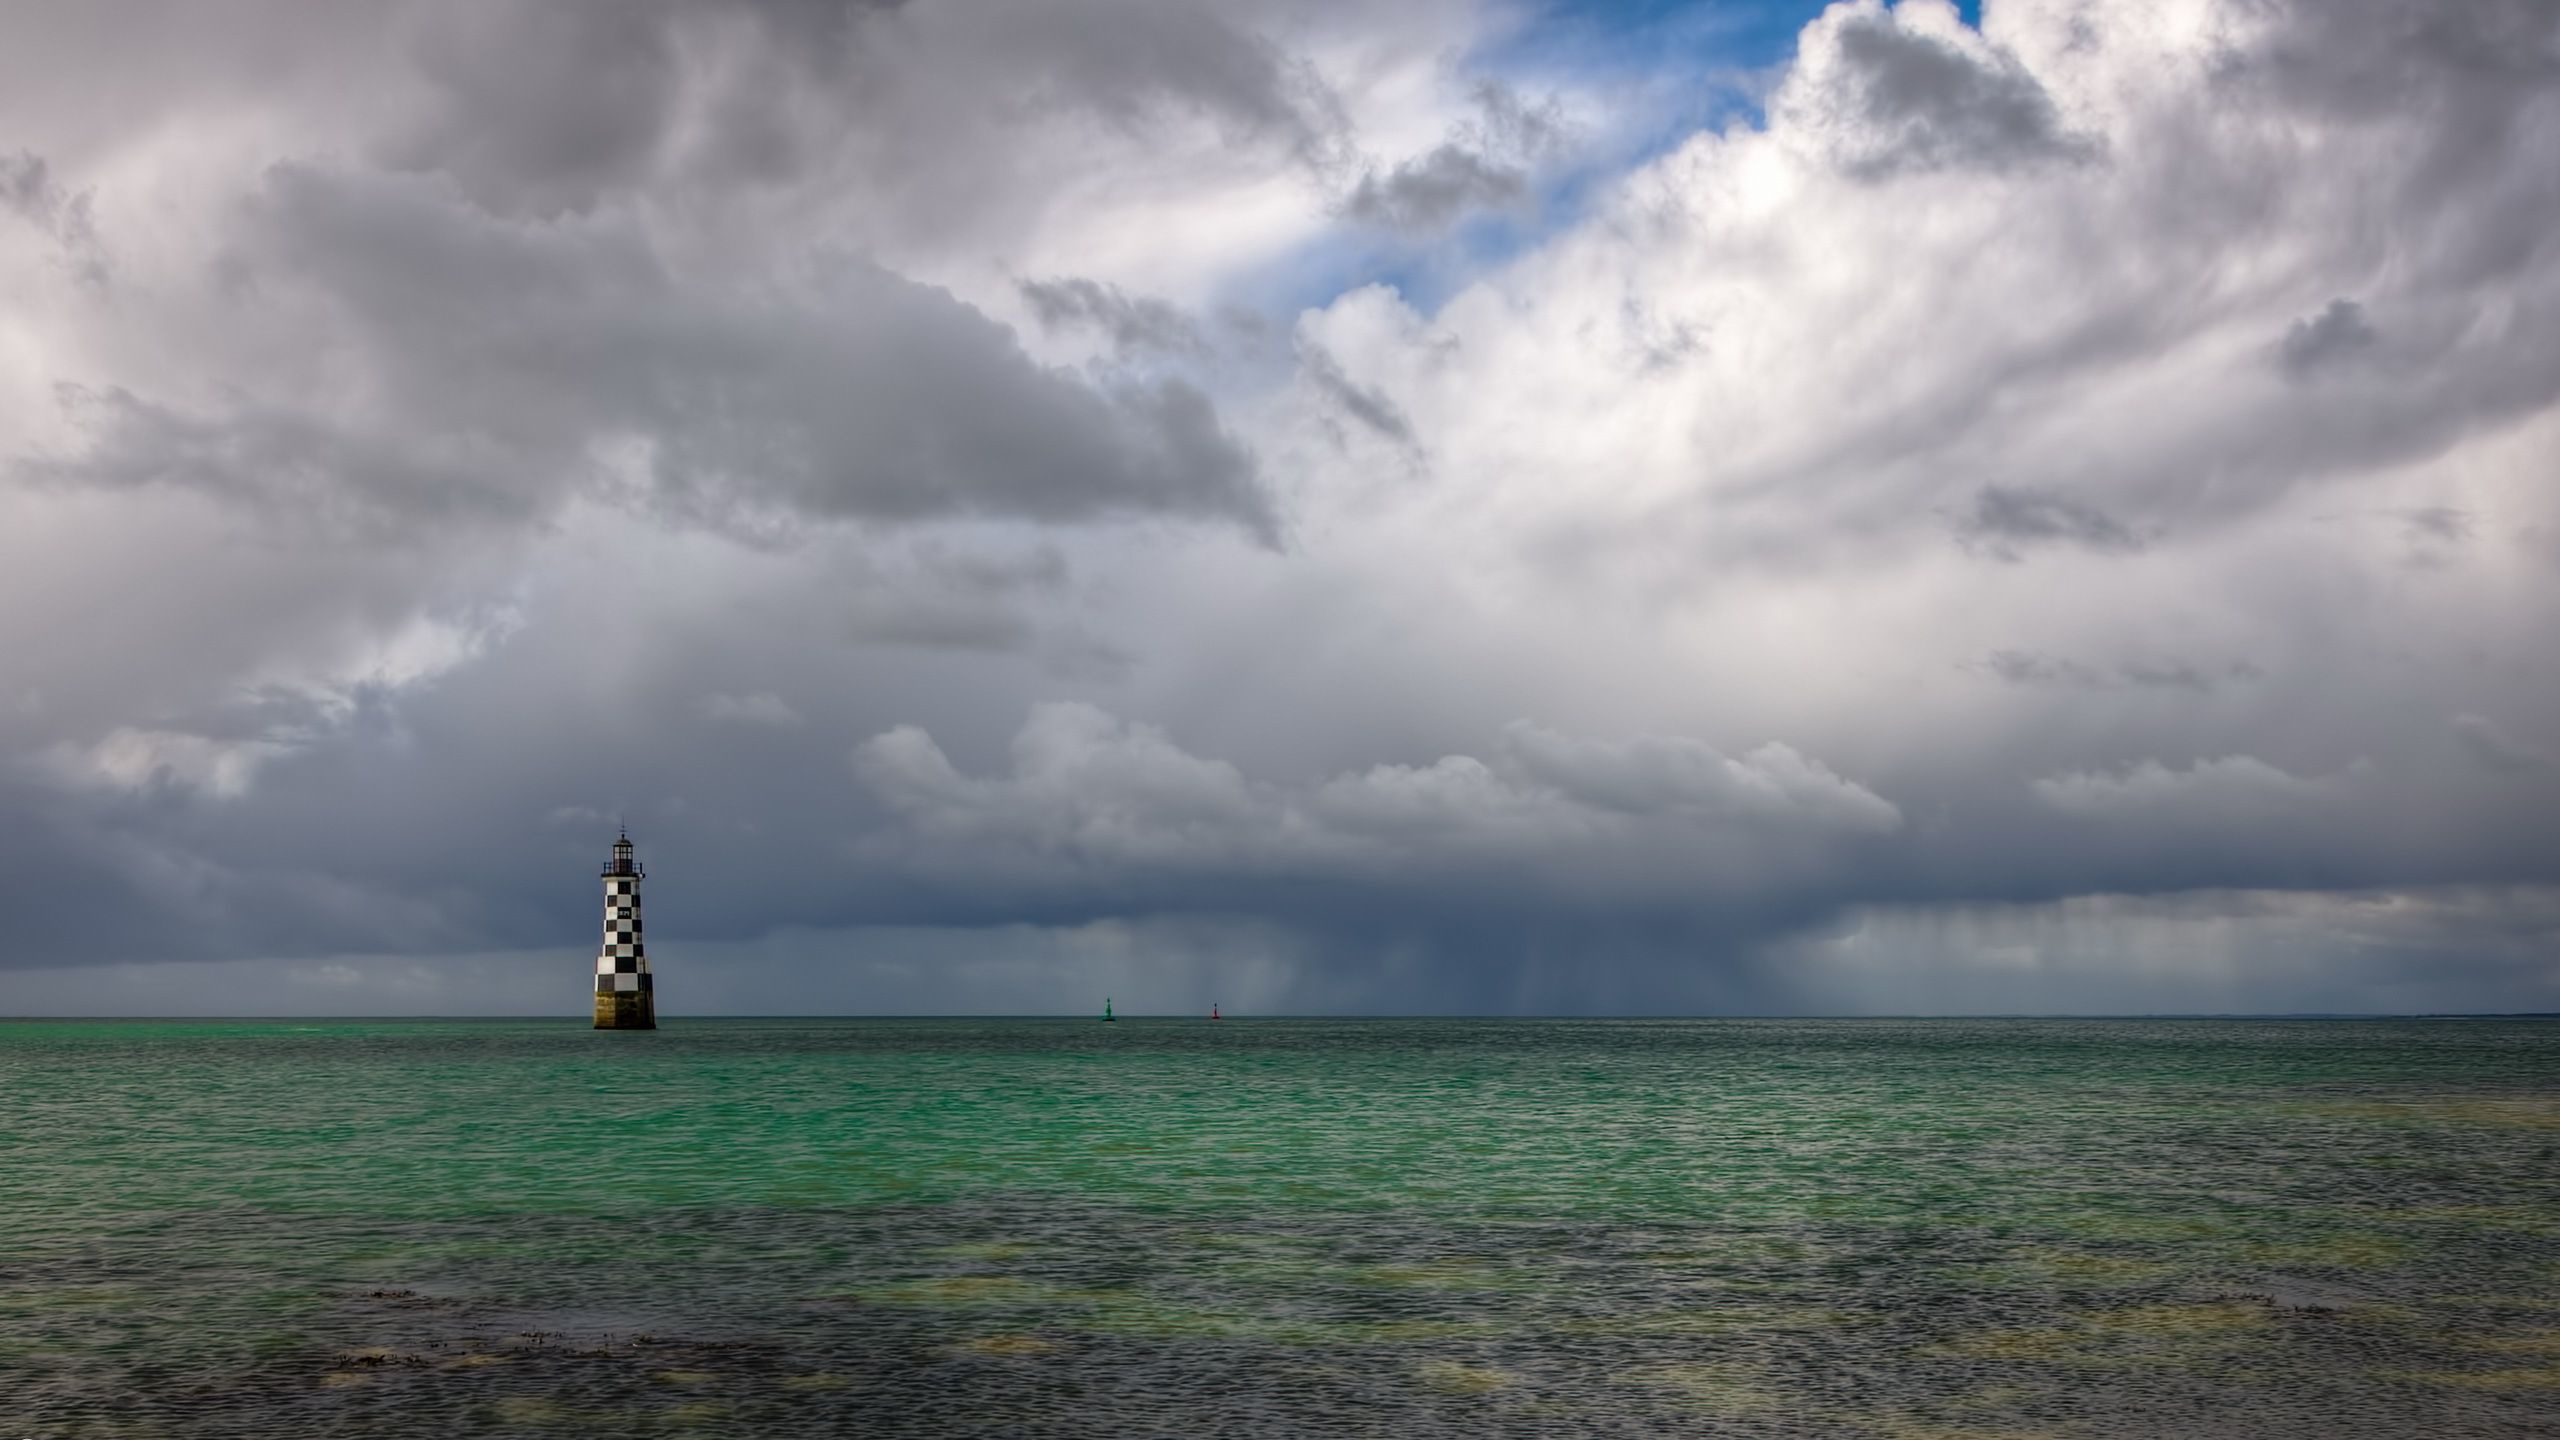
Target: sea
(1906,1229)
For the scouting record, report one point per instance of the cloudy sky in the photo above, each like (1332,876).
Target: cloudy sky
(1463,505)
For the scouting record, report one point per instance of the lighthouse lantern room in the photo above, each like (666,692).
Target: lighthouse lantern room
(624,1000)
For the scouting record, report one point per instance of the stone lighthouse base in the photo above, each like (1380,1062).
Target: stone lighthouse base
(625,1009)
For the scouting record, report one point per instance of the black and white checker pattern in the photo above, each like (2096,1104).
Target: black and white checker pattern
(622,964)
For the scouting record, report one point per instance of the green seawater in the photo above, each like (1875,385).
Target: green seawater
(1897,1229)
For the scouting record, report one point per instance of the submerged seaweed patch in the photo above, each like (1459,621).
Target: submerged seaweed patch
(2024,1232)
(1717,1389)
(1461,1379)
(1010,1346)
(2542,1378)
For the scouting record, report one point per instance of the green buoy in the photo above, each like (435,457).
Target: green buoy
(1106,1009)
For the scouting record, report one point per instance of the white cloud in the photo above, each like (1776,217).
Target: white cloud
(1654,774)
(2443,950)
(128,758)
(2232,788)
(1088,791)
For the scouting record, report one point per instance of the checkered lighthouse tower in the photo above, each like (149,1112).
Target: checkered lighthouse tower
(623,998)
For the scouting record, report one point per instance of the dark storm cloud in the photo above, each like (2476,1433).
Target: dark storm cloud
(546,107)
(2325,339)
(2481,72)
(2441,523)
(497,358)
(28,191)
(2033,668)
(2005,521)
(1930,105)
(1131,60)
(542,107)
(2468,64)
(2496,750)
(1135,324)
(136,879)
(505,286)
(1429,193)
(299,468)
(1371,407)
(1485,165)
(2026,667)
(2166,675)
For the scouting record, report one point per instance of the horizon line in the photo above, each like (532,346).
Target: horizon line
(569,1018)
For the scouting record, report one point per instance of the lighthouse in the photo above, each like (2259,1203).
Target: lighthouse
(623,997)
